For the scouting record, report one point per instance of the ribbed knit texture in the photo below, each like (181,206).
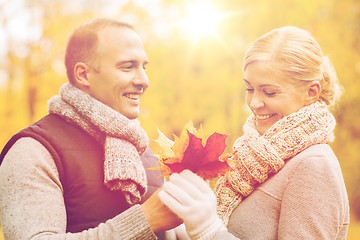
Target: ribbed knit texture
(137,228)
(124,140)
(258,156)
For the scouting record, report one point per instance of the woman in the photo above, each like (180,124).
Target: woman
(286,182)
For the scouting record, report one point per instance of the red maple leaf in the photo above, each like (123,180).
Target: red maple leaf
(205,161)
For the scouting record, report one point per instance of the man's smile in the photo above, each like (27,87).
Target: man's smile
(133,96)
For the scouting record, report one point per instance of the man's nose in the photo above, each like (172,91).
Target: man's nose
(141,79)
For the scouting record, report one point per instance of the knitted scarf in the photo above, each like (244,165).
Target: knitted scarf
(256,157)
(123,139)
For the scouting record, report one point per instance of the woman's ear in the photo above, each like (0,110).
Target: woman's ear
(313,93)
(81,72)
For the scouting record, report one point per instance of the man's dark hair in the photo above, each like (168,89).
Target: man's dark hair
(83,44)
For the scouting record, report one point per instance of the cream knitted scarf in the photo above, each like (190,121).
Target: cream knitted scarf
(123,139)
(256,157)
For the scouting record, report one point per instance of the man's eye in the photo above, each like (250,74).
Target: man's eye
(127,66)
(250,90)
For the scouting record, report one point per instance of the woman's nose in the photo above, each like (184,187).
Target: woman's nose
(256,102)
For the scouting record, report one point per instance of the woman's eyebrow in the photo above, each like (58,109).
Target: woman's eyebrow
(263,85)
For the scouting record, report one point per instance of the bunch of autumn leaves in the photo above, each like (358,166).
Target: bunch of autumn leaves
(190,151)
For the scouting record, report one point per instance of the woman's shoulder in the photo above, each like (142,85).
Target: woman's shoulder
(315,165)
(317,150)
(317,157)
(318,167)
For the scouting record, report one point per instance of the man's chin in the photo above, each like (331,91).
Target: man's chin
(131,115)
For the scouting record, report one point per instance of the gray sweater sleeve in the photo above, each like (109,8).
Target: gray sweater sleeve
(32,204)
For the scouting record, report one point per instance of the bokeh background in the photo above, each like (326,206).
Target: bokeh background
(195,50)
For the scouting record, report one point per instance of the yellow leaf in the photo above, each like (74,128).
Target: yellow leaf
(183,142)
(180,145)
(189,126)
(166,145)
(200,134)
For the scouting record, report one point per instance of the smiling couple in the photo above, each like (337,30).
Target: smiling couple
(79,172)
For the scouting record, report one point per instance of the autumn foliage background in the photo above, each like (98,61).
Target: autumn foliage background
(198,79)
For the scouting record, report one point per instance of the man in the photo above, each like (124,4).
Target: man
(77,172)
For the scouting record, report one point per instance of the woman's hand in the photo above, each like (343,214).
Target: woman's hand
(192,199)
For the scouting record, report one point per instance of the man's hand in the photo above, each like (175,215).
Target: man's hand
(159,216)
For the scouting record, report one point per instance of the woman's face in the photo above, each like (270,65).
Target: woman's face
(271,96)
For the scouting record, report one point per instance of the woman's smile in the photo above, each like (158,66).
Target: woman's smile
(264,117)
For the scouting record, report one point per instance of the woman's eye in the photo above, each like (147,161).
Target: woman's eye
(269,93)
(250,90)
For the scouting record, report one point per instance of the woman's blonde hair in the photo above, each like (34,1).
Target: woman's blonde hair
(293,52)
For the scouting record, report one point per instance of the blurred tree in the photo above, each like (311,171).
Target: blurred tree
(191,78)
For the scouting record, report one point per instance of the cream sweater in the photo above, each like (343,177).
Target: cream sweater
(32,206)
(306,199)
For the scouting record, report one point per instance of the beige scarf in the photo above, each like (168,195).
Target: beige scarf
(123,139)
(256,157)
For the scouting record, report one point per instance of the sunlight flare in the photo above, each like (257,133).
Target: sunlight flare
(202,19)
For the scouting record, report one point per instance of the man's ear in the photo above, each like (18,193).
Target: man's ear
(81,73)
(313,93)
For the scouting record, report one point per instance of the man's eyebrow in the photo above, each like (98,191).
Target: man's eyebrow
(125,61)
(130,61)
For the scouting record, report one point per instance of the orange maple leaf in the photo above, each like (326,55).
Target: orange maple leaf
(189,152)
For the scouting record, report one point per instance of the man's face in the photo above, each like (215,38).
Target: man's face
(119,79)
